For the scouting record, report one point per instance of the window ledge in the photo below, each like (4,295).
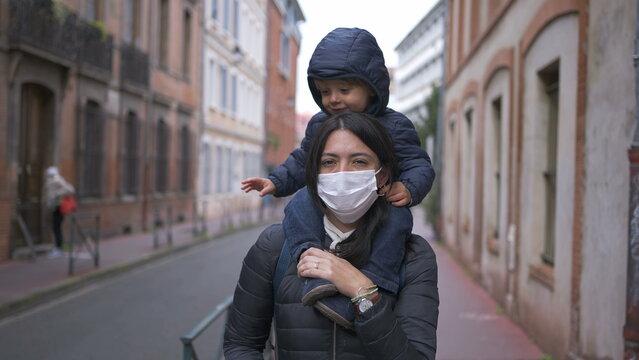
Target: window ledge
(542,273)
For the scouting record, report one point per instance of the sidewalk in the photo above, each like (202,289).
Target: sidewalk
(25,284)
(471,324)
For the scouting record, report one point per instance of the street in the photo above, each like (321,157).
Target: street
(142,313)
(138,315)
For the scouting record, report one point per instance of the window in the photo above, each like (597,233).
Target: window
(164,33)
(206,169)
(131,21)
(226,19)
(496,110)
(219,157)
(130,159)
(229,170)
(284,53)
(210,93)
(185,153)
(233,93)
(223,88)
(162,157)
(549,78)
(186,43)
(467,176)
(214,9)
(236,20)
(92,150)
(94,10)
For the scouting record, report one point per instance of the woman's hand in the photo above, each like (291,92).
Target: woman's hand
(316,263)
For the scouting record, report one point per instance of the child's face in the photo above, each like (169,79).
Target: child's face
(340,95)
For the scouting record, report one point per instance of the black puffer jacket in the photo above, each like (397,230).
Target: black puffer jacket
(354,53)
(397,327)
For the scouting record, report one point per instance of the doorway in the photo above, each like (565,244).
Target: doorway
(35,152)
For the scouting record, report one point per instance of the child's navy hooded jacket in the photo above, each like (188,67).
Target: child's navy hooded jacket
(354,53)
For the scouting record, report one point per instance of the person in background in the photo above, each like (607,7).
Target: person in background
(386,325)
(56,187)
(347,73)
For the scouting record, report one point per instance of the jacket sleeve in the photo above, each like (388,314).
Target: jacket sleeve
(408,331)
(289,176)
(417,172)
(249,319)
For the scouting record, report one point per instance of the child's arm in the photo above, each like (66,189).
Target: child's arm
(264,186)
(289,176)
(416,172)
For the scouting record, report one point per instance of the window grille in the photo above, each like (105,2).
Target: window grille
(131,154)
(162,156)
(92,150)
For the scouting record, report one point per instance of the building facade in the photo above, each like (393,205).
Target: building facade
(420,63)
(283,43)
(232,137)
(539,110)
(108,91)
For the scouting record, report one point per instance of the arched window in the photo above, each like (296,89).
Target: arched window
(162,156)
(130,159)
(92,150)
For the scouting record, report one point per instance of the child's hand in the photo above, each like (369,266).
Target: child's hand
(398,194)
(264,186)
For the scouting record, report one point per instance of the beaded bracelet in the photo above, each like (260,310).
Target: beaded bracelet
(365,288)
(359,297)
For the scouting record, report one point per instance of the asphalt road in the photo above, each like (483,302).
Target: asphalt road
(137,315)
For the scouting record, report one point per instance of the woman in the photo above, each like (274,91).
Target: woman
(55,189)
(349,150)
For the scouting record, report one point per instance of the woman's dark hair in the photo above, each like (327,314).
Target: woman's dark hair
(372,133)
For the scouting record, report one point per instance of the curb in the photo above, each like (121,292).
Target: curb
(39,297)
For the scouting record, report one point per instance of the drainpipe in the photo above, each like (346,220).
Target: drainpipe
(631,328)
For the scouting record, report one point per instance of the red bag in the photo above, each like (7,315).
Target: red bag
(68,204)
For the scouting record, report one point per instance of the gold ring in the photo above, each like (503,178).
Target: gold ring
(317,265)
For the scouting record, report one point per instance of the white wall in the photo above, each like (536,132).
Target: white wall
(609,128)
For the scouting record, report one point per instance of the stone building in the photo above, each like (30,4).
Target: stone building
(232,137)
(539,112)
(420,63)
(108,91)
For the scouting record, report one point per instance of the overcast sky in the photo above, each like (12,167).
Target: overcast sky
(388,21)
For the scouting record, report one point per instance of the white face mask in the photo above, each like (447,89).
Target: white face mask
(348,194)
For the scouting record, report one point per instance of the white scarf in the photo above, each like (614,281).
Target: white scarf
(334,233)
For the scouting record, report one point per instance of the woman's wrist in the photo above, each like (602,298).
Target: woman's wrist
(368,286)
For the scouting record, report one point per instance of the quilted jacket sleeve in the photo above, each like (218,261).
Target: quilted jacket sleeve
(289,176)
(408,332)
(249,319)
(417,172)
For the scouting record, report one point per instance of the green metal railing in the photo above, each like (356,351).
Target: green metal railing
(188,339)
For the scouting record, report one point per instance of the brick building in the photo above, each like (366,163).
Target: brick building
(283,43)
(109,92)
(539,107)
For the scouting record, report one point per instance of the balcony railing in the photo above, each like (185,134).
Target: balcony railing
(51,27)
(135,65)
(96,48)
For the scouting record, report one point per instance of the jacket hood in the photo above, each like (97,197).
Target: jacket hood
(350,53)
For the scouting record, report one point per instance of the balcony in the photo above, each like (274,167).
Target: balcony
(43,27)
(96,48)
(135,65)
